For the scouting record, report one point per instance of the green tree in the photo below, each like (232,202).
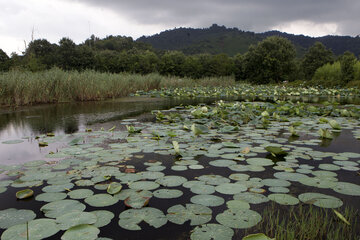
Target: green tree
(317,56)
(4,61)
(172,63)
(43,51)
(67,54)
(270,61)
(220,65)
(347,63)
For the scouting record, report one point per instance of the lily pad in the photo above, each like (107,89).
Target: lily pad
(35,229)
(257,236)
(26,193)
(260,161)
(114,188)
(103,218)
(253,198)
(101,200)
(11,216)
(168,193)
(171,181)
(212,231)
(80,193)
(239,218)
(81,232)
(320,200)
(347,188)
(207,200)
(73,219)
(136,201)
(237,204)
(130,219)
(197,214)
(50,197)
(213,179)
(230,188)
(202,189)
(283,199)
(58,208)
(12,141)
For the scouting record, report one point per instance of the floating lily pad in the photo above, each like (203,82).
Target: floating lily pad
(230,188)
(202,189)
(260,161)
(320,200)
(130,219)
(171,181)
(26,193)
(207,200)
(197,214)
(114,188)
(347,188)
(50,197)
(239,176)
(275,182)
(279,189)
(239,218)
(257,236)
(237,204)
(80,193)
(73,219)
(168,193)
(11,216)
(222,163)
(136,201)
(213,179)
(103,218)
(12,141)
(35,229)
(283,199)
(253,198)
(58,208)
(212,231)
(101,200)
(81,232)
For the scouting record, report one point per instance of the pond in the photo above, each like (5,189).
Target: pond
(205,171)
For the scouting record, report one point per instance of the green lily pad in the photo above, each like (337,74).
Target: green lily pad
(237,204)
(130,192)
(207,200)
(171,181)
(213,179)
(275,182)
(11,216)
(143,185)
(212,231)
(253,198)
(168,193)
(320,200)
(101,200)
(347,188)
(279,189)
(202,189)
(80,193)
(130,218)
(136,201)
(230,188)
(50,197)
(257,236)
(197,214)
(35,229)
(260,161)
(26,193)
(103,218)
(12,141)
(58,208)
(73,219)
(222,163)
(239,218)
(114,188)
(275,151)
(239,176)
(283,199)
(81,232)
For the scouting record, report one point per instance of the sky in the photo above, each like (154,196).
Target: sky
(24,20)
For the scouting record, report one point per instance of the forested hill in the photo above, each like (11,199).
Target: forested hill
(219,39)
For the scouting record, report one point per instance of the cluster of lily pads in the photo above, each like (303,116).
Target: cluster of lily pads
(214,153)
(248,90)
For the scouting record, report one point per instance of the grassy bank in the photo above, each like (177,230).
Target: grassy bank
(55,85)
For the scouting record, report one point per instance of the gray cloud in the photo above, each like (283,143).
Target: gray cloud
(255,15)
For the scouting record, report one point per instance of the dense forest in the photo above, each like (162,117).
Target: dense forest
(219,39)
(263,59)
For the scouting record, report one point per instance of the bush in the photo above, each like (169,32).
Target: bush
(328,75)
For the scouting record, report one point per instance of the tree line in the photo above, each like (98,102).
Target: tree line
(272,60)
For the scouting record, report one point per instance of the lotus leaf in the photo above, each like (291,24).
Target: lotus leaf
(168,193)
(212,231)
(130,218)
(80,193)
(239,218)
(58,208)
(253,198)
(26,193)
(73,219)
(171,181)
(103,218)
(197,214)
(283,199)
(11,216)
(207,200)
(101,200)
(320,200)
(81,232)
(230,188)
(50,197)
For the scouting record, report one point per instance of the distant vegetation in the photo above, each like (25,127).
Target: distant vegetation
(92,65)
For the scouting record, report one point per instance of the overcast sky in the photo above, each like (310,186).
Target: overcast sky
(78,19)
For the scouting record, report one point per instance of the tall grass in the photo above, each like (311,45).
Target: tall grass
(55,85)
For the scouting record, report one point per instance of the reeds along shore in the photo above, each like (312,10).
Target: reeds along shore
(55,85)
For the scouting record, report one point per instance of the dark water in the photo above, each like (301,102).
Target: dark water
(73,117)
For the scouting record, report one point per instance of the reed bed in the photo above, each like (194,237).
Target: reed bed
(55,85)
